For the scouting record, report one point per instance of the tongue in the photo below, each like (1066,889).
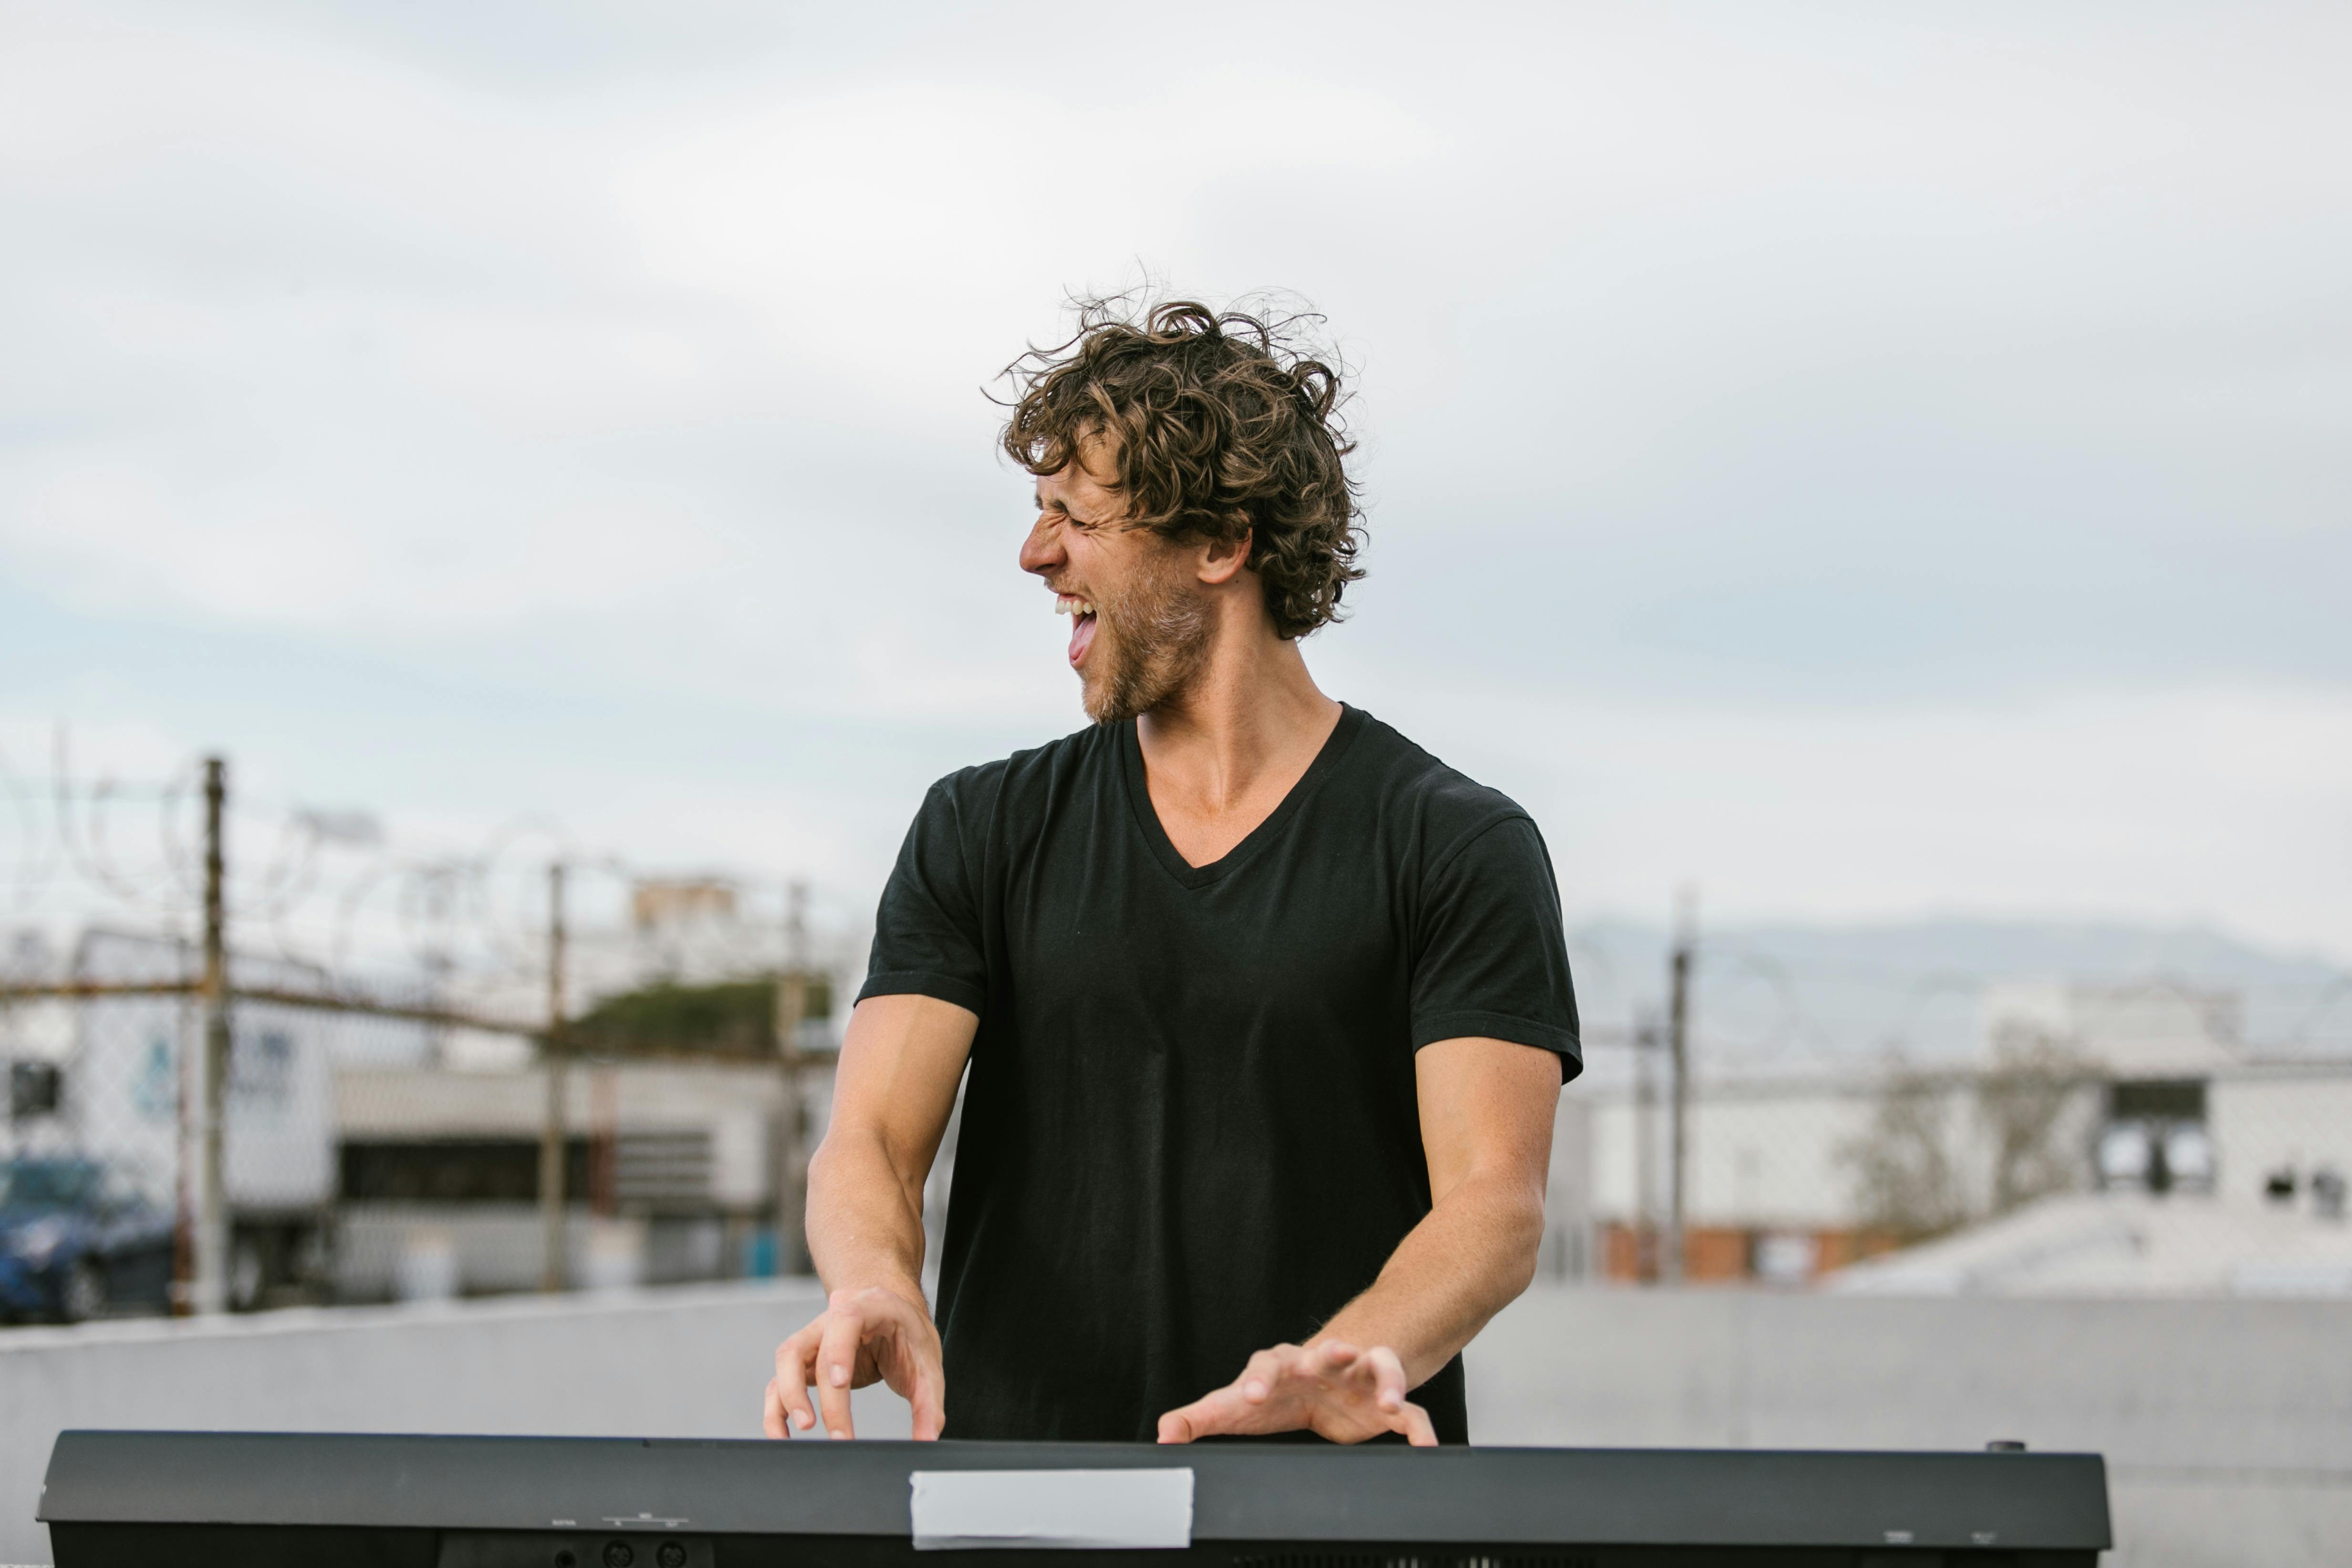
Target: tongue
(1082,636)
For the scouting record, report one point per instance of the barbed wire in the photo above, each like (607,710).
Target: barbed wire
(329,891)
(333,891)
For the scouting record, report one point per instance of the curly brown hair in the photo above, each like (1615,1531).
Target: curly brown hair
(1225,429)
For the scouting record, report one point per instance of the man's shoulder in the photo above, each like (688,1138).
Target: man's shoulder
(1447,805)
(1027,775)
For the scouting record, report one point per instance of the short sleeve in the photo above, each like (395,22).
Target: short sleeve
(927,934)
(1490,951)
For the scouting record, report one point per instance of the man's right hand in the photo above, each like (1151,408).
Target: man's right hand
(863,1336)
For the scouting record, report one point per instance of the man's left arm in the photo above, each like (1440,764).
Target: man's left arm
(1486,1110)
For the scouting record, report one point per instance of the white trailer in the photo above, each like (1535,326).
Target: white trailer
(128,1075)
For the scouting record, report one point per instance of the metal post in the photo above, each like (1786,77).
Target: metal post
(551,1271)
(1678,1048)
(209,1288)
(604,1140)
(1646,1042)
(793,1129)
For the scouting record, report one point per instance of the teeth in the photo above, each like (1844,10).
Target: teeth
(1066,605)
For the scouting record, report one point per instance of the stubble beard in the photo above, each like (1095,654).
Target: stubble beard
(1151,641)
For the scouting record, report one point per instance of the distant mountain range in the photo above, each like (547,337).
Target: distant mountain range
(1779,993)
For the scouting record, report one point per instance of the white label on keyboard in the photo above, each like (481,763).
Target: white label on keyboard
(959,1510)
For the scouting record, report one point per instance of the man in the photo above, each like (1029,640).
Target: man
(1266,1009)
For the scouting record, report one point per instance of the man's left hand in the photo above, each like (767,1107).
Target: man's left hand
(1330,1388)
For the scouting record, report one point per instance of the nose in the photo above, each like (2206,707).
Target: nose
(1041,551)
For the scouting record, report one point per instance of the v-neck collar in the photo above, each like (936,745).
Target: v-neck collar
(1147,819)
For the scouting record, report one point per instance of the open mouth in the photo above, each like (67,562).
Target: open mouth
(1082,623)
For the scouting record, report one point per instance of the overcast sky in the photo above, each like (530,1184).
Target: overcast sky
(1866,461)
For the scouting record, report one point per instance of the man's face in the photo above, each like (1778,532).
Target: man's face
(1139,622)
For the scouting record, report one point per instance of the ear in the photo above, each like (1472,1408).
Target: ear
(1222,561)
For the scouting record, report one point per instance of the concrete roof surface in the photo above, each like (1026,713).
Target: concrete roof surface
(2124,1244)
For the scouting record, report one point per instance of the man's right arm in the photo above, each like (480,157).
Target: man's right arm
(901,1059)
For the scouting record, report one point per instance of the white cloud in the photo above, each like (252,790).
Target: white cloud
(1889,462)
(2204,803)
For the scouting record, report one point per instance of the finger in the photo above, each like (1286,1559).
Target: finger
(837,1363)
(1417,1430)
(1331,1357)
(1221,1411)
(929,1402)
(772,1413)
(1388,1379)
(1265,1370)
(792,1378)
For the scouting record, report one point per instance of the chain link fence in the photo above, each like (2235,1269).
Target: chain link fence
(376,1150)
(320,1071)
(275,1062)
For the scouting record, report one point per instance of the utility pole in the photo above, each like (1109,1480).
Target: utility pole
(551,1271)
(1646,1042)
(1678,1052)
(208,1294)
(793,1129)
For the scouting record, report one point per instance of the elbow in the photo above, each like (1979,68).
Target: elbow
(1526,1243)
(834,1162)
(819,1162)
(861,1159)
(1518,1233)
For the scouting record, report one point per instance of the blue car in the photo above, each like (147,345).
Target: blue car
(76,1244)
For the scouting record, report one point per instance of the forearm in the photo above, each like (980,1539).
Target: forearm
(864,1216)
(1470,1257)
(901,1061)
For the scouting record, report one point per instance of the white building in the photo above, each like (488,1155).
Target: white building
(2074,1086)
(671,1169)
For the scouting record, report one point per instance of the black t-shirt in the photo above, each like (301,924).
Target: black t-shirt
(1191,1128)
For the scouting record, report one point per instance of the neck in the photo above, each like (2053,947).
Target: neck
(1250,718)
